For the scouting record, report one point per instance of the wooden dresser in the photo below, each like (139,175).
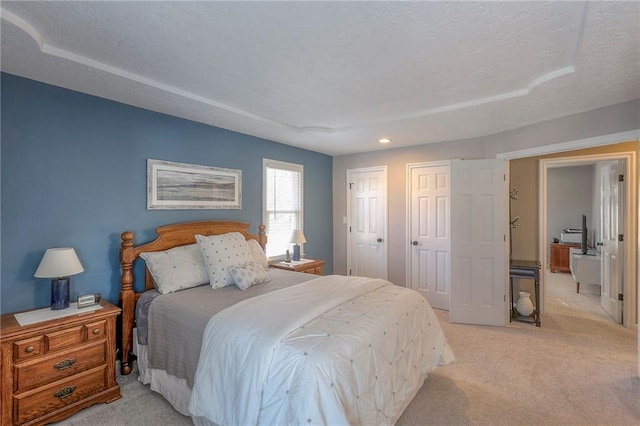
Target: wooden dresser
(52,369)
(307,266)
(560,257)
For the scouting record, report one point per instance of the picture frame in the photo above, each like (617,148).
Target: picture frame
(172,185)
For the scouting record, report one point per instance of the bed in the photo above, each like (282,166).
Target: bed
(293,348)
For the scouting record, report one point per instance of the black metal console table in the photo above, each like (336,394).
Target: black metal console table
(525,269)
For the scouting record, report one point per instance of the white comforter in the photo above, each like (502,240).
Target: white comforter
(334,350)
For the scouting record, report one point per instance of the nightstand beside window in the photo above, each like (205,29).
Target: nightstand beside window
(308,266)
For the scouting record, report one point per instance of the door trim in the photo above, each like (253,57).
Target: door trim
(407,255)
(612,138)
(629,224)
(385,173)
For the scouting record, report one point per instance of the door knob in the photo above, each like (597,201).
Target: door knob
(415,243)
(379,240)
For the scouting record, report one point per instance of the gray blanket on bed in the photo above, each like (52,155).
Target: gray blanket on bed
(177,320)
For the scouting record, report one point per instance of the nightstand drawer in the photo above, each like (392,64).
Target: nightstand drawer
(28,348)
(31,405)
(58,366)
(64,339)
(95,330)
(317,270)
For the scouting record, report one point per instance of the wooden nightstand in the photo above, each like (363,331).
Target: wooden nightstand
(54,368)
(307,266)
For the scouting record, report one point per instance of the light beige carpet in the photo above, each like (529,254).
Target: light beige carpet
(579,368)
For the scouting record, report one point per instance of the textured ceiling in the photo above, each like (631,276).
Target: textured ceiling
(334,77)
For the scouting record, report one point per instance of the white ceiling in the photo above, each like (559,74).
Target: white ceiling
(334,77)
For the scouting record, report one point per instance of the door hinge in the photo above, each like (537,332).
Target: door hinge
(620,297)
(504,238)
(620,178)
(349,229)
(349,271)
(504,178)
(620,237)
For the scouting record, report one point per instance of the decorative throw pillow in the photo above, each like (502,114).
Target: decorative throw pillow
(248,274)
(258,253)
(177,268)
(221,251)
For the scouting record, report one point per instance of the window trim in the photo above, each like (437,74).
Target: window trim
(277,164)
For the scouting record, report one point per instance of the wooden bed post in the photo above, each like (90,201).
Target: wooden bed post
(127,300)
(262,236)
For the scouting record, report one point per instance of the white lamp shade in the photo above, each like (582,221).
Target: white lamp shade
(59,262)
(297,237)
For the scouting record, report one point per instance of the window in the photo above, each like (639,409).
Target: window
(282,204)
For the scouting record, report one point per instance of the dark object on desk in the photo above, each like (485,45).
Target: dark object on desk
(525,269)
(572,230)
(555,240)
(583,244)
(88,300)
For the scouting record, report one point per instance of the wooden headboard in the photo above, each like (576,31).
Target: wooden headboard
(169,236)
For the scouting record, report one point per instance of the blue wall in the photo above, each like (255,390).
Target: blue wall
(74,174)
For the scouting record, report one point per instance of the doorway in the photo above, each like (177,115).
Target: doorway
(628,267)
(631,284)
(584,195)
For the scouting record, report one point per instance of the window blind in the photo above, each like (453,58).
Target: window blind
(283,204)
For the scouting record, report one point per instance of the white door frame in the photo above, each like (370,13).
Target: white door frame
(384,171)
(631,135)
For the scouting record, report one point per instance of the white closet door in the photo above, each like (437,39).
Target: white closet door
(479,252)
(429,266)
(367,222)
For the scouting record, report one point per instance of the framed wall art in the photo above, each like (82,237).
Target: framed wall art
(173,185)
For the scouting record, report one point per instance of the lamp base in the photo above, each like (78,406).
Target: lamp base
(296,252)
(59,293)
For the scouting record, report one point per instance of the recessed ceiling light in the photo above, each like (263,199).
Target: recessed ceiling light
(384,140)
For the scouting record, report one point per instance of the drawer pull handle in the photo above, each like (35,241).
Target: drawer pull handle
(96,331)
(65,392)
(64,364)
(29,349)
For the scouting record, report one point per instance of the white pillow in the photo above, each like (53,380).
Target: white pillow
(221,251)
(258,254)
(177,268)
(248,274)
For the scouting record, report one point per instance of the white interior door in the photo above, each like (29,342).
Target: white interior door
(479,225)
(367,222)
(429,267)
(611,211)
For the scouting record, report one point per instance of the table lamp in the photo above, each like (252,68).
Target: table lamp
(59,263)
(297,238)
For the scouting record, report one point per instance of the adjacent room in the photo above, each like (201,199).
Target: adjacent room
(332,212)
